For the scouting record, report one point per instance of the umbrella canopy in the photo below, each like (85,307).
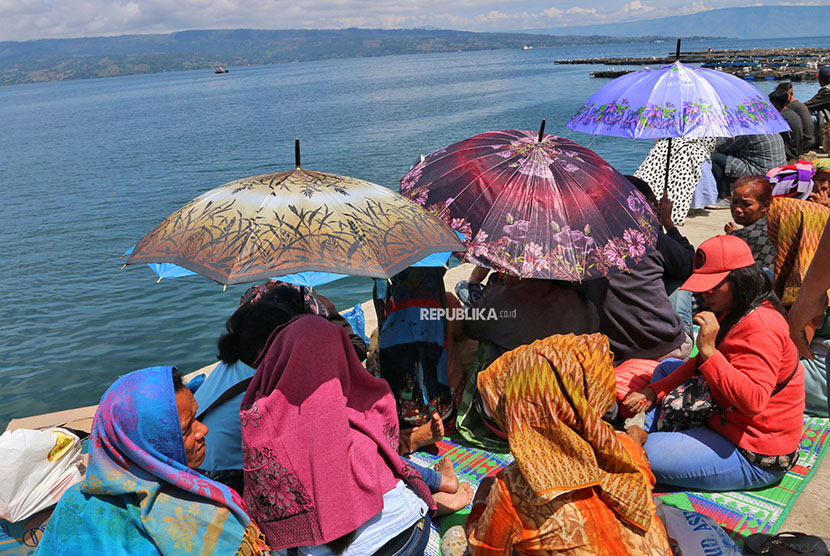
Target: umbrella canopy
(678,100)
(535,206)
(310,278)
(295,222)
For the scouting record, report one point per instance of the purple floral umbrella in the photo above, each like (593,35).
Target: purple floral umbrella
(678,100)
(535,206)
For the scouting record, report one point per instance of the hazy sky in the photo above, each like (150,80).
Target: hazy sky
(34,19)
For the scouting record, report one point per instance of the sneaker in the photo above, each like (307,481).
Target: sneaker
(720,205)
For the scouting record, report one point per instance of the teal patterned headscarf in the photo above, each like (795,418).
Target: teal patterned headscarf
(139,496)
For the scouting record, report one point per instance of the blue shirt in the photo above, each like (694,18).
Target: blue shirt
(223,443)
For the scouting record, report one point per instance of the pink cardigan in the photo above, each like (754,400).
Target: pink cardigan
(319,438)
(753,358)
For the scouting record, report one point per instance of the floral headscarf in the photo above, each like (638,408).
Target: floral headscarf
(139,496)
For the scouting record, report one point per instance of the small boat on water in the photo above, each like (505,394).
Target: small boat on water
(220,69)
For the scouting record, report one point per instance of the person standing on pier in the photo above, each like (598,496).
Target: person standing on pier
(807,125)
(792,138)
(820,106)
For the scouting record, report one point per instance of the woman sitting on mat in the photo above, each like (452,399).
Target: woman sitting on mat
(795,228)
(576,486)
(413,353)
(750,365)
(220,396)
(319,444)
(141,494)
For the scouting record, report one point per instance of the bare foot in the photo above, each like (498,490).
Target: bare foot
(638,434)
(449,503)
(449,480)
(436,427)
(412,440)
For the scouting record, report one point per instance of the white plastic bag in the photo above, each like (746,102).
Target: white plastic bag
(696,534)
(36,466)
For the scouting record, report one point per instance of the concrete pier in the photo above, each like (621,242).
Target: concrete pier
(758,64)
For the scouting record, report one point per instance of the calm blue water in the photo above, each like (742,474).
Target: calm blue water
(88,167)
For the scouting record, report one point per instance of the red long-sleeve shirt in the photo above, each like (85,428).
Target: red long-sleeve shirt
(755,356)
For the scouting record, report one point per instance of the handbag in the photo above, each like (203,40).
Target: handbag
(691,403)
(687,406)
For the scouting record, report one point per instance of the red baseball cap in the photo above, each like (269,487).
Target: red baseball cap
(715,259)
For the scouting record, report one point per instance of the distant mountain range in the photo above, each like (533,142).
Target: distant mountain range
(757,22)
(60,59)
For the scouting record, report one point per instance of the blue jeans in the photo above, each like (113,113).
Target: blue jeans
(415,545)
(699,458)
(430,476)
(681,302)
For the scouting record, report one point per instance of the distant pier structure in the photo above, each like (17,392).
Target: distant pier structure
(757,64)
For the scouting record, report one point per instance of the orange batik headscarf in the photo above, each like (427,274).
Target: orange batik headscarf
(795,228)
(550,397)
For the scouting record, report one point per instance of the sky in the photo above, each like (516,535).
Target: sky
(22,20)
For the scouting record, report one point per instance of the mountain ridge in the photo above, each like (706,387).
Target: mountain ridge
(82,58)
(754,22)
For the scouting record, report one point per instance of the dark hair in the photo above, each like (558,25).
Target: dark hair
(779,98)
(784,86)
(178,381)
(762,184)
(286,296)
(824,75)
(249,327)
(751,286)
(643,187)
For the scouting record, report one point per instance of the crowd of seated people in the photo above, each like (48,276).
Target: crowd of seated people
(292,445)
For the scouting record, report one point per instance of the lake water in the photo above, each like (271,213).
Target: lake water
(88,167)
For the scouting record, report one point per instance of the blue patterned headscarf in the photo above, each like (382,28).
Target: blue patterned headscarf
(139,496)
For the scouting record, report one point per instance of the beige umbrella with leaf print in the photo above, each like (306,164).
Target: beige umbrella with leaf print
(271,225)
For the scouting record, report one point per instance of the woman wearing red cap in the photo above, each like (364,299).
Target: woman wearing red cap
(751,368)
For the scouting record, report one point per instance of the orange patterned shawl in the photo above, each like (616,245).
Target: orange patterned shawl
(550,397)
(794,228)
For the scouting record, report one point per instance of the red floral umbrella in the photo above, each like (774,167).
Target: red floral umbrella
(535,206)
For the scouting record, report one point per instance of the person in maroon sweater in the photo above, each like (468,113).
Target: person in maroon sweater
(751,367)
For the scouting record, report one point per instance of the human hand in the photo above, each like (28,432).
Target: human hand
(820,197)
(637,433)
(641,400)
(664,212)
(709,328)
(803,313)
(483,490)
(730,227)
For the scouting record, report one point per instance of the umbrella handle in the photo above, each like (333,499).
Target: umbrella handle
(541,131)
(677,52)
(297,152)
(668,161)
